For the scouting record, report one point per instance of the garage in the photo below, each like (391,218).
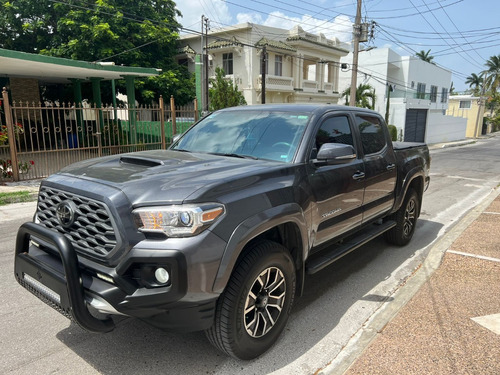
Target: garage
(416,120)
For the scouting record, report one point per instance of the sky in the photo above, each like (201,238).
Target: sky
(461,34)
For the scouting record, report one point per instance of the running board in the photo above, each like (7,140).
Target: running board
(338,251)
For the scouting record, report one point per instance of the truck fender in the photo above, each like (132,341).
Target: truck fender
(253,227)
(413,174)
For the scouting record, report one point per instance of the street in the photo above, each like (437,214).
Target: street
(336,303)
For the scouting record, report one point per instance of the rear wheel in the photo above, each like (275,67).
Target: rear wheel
(254,308)
(406,220)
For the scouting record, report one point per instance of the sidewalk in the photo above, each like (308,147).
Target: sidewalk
(446,319)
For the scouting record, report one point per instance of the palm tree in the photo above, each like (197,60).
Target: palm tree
(492,80)
(425,56)
(365,96)
(475,81)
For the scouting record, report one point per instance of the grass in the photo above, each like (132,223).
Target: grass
(15,197)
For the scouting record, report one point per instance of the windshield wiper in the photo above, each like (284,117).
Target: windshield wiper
(234,155)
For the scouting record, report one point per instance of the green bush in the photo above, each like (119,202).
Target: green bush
(393,131)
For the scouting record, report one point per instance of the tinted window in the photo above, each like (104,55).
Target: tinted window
(334,130)
(372,133)
(261,134)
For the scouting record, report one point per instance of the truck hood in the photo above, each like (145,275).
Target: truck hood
(165,176)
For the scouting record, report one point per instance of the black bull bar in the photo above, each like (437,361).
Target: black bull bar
(68,286)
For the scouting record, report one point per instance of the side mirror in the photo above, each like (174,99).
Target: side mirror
(335,153)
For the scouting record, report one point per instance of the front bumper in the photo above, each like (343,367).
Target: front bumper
(75,287)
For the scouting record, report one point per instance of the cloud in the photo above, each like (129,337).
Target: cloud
(192,10)
(218,12)
(340,27)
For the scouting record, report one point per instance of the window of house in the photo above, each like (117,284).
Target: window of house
(465,104)
(372,133)
(183,62)
(421,90)
(278,65)
(444,95)
(227,63)
(434,94)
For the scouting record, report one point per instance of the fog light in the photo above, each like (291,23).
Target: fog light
(162,276)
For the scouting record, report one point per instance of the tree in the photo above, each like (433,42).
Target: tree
(452,88)
(425,56)
(492,73)
(223,94)
(365,96)
(476,82)
(134,33)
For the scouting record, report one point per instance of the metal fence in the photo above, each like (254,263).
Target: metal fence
(36,140)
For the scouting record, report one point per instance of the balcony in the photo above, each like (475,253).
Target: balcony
(310,86)
(328,87)
(276,83)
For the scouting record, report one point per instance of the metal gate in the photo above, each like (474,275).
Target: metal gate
(416,120)
(36,140)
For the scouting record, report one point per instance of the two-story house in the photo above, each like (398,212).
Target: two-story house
(417,90)
(300,67)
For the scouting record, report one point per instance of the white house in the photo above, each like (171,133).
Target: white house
(418,93)
(301,67)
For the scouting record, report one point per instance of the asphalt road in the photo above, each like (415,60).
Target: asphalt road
(338,301)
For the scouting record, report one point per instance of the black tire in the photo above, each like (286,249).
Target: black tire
(253,310)
(406,220)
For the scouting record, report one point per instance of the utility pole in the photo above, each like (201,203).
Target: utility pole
(207,25)
(479,125)
(264,65)
(389,90)
(356,34)
(202,70)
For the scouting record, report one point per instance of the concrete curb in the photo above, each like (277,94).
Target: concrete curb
(458,144)
(362,339)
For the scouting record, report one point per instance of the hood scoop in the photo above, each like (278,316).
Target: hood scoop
(145,162)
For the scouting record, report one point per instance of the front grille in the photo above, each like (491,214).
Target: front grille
(92,230)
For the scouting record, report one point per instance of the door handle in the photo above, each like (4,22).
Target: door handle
(358,175)
(390,167)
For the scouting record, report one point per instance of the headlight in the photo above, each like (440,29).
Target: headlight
(178,221)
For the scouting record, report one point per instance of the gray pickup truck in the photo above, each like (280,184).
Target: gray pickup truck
(218,232)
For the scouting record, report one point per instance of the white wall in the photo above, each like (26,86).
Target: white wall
(442,128)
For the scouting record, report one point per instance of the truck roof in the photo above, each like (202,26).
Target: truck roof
(293,107)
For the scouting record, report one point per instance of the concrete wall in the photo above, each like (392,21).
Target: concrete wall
(442,128)
(474,127)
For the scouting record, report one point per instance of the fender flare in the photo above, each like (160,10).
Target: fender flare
(413,174)
(251,228)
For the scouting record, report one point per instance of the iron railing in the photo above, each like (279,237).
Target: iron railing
(37,140)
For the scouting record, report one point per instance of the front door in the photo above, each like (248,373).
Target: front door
(337,189)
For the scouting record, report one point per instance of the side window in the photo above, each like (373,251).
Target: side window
(371,132)
(334,130)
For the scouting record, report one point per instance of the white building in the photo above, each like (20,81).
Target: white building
(419,99)
(301,67)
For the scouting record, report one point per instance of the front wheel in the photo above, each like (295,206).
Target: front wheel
(406,220)
(253,310)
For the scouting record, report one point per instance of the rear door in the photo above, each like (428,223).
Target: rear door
(337,189)
(379,165)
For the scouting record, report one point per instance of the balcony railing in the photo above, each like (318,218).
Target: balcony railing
(276,83)
(309,86)
(410,94)
(328,87)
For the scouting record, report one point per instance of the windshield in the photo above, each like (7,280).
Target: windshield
(258,134)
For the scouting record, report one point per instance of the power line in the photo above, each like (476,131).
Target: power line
(439,22)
